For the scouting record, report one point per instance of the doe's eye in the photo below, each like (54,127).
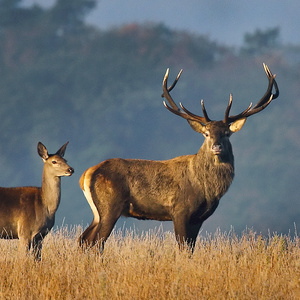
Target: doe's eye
(206,133)
(54,162)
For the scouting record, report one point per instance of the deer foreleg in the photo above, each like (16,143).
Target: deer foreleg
(186,233)
(37,245)
(192,233)
(24,244)
(180,229)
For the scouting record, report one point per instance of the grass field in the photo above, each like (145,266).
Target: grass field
(150,266)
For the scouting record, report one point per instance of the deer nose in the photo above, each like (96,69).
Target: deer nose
(71,170)
(217,149)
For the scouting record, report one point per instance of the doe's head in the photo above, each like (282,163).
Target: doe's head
(55,164)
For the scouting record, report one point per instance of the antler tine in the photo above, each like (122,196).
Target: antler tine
(203,120)
(257,109)
(166,90)
(231,119)
(207,119)
(228,109)
(261,104)
(268,93)
(175,109)
(170,88)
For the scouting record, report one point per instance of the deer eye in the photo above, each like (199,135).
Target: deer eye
(227,133)
(54,162)
(206,133)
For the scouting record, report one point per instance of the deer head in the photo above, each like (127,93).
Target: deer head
(217,133)
(57,165)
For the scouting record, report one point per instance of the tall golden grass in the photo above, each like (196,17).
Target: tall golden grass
(150,266)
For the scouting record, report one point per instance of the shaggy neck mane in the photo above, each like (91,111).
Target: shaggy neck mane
(215,173)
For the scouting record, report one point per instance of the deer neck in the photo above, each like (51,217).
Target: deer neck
(216,172)
(50,192)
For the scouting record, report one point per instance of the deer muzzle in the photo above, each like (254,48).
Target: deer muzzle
(217,149)
(70,171)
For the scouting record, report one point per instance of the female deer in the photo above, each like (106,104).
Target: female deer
(28,213)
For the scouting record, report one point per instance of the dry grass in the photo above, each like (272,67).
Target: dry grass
(151,267)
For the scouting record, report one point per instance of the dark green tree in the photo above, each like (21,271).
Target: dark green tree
(261,41)
(69,15)
(14,14)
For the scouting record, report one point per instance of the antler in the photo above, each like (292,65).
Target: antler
(249,111)
(175,109)
(261,104)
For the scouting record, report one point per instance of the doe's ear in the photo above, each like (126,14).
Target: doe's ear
(42,151)
(62,149)
(237,125)
(198,127)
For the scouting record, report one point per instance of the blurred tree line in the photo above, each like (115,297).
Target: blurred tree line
(62,79)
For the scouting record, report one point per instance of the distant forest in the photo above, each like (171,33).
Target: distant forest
(63,80)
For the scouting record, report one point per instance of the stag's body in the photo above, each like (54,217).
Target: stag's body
(28,213)
(185,189)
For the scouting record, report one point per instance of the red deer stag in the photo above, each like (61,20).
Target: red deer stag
(28,213)
(185,189)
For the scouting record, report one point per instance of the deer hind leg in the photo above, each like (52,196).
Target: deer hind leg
(107,224)
(88,237)
(98,233)
(109,209)
(106,210)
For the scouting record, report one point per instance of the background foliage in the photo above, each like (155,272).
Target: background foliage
(62,79)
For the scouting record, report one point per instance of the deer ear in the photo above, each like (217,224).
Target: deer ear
(237,125)
(42,151)
(198,127)
(61,151)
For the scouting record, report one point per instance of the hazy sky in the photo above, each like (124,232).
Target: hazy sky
(225,21)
